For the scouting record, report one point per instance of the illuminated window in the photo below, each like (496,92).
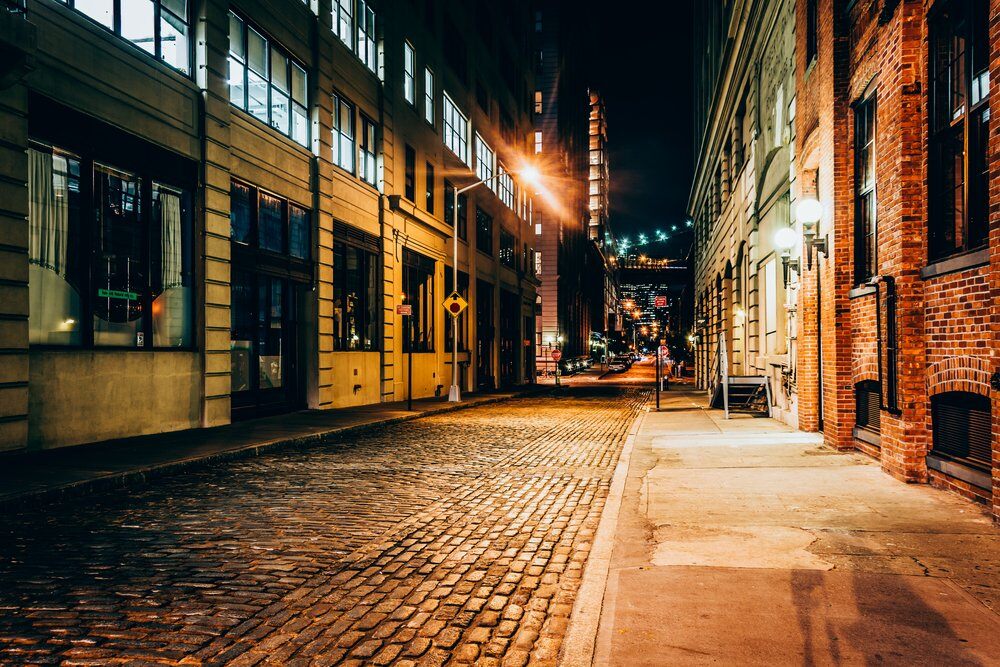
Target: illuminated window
(158,27)
(538,101)
(343,21)
(456,129)
(538,142)
(429,96)
(485,160)
(343,134)
(409,85)
(265,82)
(365,47)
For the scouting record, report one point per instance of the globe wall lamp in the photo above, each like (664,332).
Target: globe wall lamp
(808,212)
(784,240)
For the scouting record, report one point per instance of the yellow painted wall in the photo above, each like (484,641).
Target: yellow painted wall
(88,396)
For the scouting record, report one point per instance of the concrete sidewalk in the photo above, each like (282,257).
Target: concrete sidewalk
(744,542)
(33,476)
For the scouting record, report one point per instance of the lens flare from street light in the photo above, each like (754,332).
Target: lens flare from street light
(530,175)
(785,238)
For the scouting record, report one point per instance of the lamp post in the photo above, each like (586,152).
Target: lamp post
(529,175)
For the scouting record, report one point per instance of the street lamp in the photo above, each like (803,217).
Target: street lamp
(808,212)
(527,174)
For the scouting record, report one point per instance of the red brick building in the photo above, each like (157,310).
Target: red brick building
(895,140)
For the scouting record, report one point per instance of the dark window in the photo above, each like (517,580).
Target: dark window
(158,27)
(507,251)
(962,428)
(865,202)
(355,298)
(868,400)
(110,256)
(484,231)
(812,30)
(429,187)
(410,182)
(261,220)
(959,127)
(463,208)
(366,150)
(418,283)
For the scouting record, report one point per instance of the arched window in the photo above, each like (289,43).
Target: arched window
(962,428)
(868,400)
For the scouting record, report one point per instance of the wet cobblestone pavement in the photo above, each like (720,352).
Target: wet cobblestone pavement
(457,538)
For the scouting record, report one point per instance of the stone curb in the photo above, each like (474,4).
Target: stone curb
(140,476)
(580,642)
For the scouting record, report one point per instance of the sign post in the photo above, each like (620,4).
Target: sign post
(406,310)
(556,356)
(658,355)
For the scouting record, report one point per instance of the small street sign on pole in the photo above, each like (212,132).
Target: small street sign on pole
(660,302)
(455,304)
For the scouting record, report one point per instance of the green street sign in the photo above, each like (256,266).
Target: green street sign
(117,294)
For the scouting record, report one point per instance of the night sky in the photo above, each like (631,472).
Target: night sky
(642,63)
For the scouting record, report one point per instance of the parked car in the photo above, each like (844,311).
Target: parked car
(619,364)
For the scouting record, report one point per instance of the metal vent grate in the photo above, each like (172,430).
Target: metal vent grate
(962,428)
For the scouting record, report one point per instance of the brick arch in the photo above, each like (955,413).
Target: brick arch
(964,373)
(865,367)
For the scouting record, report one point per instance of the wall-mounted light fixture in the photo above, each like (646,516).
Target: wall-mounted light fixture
(784,240)
(808,212)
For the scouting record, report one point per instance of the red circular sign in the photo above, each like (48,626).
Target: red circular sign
(455,307)
(556,355)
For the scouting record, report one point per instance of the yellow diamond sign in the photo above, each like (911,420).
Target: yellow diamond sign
(455,304)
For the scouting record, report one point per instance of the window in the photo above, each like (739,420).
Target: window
(507,245)
(355,298)
(865,208)
(485,160)
(505,187)
(343,134)
(456,130)
(410,175)
(110,255)
(262,220)
(449,210)
(343,21)
(959,127)
(158,27)
(812,30)
(484,231)
(265,82)
(538,142)
(868,401)
(366,36)
(429,96)
(429,187)
(418,283)
(409,92)
(962,427)
(366,152)
(538,101)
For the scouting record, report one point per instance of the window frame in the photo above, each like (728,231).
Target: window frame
(429,187)
(368,127)
(338,153)
(366,45)
(463,210)
(484,236)
(429,95)
(409,74)
(455,129)
(291,65)
(157,53)
(410,173)
(950,131)
(370,257)
(147,179)
(865,190)
(486,161)
(425,268)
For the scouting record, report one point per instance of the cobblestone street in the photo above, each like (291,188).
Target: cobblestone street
(446,540)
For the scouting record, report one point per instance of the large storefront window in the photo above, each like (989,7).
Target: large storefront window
(418,283)
(110,264)
(355,298)
(159,27)
(271,250)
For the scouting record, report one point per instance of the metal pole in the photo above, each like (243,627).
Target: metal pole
(409,370)
(455,392)
(658,378)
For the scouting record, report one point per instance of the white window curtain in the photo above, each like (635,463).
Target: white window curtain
(172,256)
(48,211)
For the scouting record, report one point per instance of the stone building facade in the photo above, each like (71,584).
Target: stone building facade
(213,210)
(743,191)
